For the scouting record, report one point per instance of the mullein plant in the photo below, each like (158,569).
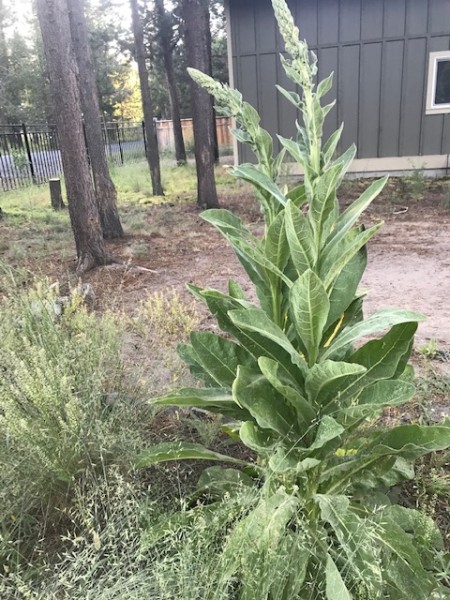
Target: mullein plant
(300,383)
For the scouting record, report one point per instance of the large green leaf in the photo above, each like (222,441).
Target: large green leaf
(219,357)
(219,483)
(288,387)
(403,567)
(329,148)
(412,441)
(226,222)
(356,541)
(261,441)
(270,410)
(256,177)
(187,353)
(336,257)
(383,358)
(328,430)
(376,397)
(220,304)
(335,586)
(297,195)
(345,286)
(254,543)
(248,248)
(168,451)
(309,306)
(324,202)
(349,217)
(218,400)
(378,454)
(300,238)
(256,321)
(276,246)
(382,319)
(327,379)
(292,148)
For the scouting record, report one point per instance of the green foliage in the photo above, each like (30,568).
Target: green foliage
(64,411)
(302,382)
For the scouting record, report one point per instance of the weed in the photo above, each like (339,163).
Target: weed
(166,316)
(429,350)
(63,410)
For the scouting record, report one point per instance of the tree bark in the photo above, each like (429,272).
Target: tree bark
(196,28)
(147,104)
(210,73)
(85,220)
(165,37)
(104,187)
(4,60)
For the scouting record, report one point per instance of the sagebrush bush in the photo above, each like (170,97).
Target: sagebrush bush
(64,410)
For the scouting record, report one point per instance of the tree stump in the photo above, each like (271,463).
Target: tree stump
(56,194)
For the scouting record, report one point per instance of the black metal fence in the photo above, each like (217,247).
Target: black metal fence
(30,153)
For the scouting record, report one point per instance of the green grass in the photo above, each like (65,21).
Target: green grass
(31,205)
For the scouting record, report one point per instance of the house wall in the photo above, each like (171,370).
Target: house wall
(378,50)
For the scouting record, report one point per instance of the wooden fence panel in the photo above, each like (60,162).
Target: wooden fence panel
(164,131)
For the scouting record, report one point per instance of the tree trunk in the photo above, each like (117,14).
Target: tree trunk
(4,61)
(104,186)
(147,105)
(196,26)
(210,73)
(165,37)
(54,23)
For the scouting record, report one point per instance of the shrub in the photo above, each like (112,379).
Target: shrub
(63,411)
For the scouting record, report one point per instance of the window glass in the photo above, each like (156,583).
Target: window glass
(442,90)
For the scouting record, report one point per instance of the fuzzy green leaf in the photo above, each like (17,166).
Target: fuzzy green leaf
(168,451)
(254,393)
(335,258)
(310,306)
(328,430)
(356,208)
(219,400)
(257,439)
(330,146)
(219,357)
(276,247)
(327,379)
(382,319)
(335,586)
(256,320)
(300,238)
(288,387)
(346,285)
(253,175)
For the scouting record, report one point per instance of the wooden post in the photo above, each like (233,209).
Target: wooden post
(56,194)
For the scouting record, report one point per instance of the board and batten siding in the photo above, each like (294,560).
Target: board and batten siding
(378,50)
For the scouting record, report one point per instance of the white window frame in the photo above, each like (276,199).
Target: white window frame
(431,108)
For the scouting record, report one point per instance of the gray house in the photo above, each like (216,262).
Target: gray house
(391,60)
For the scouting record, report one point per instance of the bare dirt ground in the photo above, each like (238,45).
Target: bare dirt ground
(409,259)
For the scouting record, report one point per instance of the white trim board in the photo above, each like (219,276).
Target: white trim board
(433,165)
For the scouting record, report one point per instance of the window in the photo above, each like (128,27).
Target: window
(438,94)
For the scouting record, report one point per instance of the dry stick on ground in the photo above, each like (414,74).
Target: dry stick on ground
(104,187)
(62,69)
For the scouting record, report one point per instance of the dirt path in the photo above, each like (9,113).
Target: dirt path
(409,267)
(409,259)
